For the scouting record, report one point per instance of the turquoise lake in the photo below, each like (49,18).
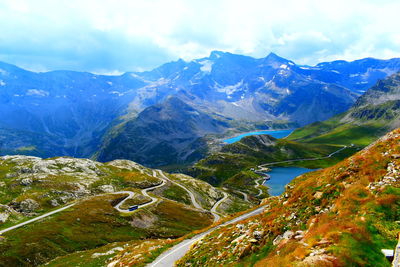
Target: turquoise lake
(281,176)
(276,134)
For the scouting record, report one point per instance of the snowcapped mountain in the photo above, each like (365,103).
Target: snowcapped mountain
(69,113)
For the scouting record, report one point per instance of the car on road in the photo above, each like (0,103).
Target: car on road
(134,207)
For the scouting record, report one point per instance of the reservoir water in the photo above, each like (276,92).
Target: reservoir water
(281,176)
(274,133)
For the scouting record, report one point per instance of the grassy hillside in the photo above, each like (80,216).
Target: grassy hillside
(339,216)
(94,223)
(33,186)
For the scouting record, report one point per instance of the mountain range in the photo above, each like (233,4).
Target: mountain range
(374,114)
(135,115)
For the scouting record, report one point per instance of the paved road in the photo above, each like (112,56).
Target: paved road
(169,257)
(130,195)
(192,198)
(214,208)
(144,192)
(396,254)
(294,160)
(35,219)
(258,186)
(245,196)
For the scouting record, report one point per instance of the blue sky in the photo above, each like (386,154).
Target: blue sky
(105,36)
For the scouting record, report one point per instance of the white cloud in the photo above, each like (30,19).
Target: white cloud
(133,34)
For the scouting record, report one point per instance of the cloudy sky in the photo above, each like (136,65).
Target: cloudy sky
(106,36)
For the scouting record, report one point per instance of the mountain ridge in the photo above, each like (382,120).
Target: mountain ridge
(74,111)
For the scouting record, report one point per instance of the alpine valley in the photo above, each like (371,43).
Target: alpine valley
(135,115)
(133,170)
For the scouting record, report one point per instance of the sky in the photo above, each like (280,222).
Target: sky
(111,37)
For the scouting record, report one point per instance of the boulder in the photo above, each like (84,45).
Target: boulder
(26,181)
(107,188)
(4,216)
(28,205)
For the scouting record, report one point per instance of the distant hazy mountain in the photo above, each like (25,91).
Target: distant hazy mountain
(375,113)
(59,112)
(68,113)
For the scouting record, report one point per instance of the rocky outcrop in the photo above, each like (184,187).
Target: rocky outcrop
(25,206)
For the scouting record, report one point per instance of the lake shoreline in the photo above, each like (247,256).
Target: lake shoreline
(283,176)
(238,137)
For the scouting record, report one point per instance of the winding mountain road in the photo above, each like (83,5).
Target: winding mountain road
(192,198)
(130,195)
(145,191)
(169,257)
(261,167)
(213,210)
(258,186)
(245,196)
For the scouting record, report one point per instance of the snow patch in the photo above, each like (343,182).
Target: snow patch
(110,83)
(354,75)
(2,83)
(230,89)
(3,72)
(206,65)
(116,93)
(283,66)
(283,72)
(36,92)
(335,71)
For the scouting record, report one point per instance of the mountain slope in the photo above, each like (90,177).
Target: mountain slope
(234,161)
(252,89)
(167,133)
(69,113)
(374,113)
(32,186)
(339,216)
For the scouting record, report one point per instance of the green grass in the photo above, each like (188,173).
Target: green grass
(177,193)
(347,134)
(94,223)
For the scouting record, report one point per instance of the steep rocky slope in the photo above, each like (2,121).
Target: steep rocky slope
(339,216)
(164,134)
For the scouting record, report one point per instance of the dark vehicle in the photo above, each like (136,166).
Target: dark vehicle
(132,208)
